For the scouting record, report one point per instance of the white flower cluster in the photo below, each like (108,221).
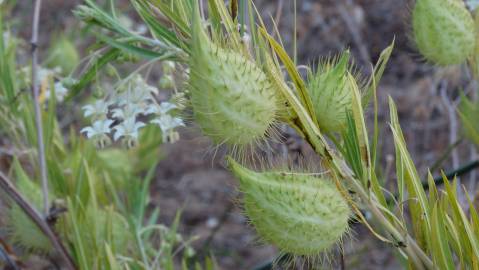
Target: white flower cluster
(119,115)
(472,4)
(45,76)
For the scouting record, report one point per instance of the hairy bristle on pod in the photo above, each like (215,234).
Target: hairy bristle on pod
(233,100)
(301,214)
(331,89)
(23,231)
(109,227)
(474,63)
(443,31)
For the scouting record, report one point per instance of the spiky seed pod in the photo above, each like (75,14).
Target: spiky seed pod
(474,60)
(63,54)
(299,213)
(232,98)
(23,231)
(110,226)
(331,92)
(443,31)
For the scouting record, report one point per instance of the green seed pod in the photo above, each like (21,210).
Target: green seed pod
(232,98)
(474,61)
(23,231)
(299,213)
(64,55)
(331,92)
(443,31)
(110,226)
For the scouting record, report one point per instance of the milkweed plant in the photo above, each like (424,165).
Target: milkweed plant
(235,81)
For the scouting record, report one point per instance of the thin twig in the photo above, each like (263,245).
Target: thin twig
(353,30)
(8,260)
(469,167)
(38,116)
(279,13)
(37,218)
(451,107)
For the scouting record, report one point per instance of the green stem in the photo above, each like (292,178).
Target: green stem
(321,147)
(295,34)
(242,10)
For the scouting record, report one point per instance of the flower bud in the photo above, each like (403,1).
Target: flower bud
(299,213)
(443,31)
(167,82)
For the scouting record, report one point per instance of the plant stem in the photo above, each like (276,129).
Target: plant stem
(414,252)
(317,141)
(295,33)
(37,218)
(38,115)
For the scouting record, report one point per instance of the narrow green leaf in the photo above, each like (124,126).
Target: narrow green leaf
(440,248)
(93,69)
(159,31)
(466,232)
(378,73)
(293,73)
(175,15)
(147,54)
(407,170)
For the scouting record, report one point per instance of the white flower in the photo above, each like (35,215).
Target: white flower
(100,127)
(161,109)
(136,94)
(139,82)
(6,35)
(60,92)
(44,75)
(128,128)
(99,108)
(167,122)
(141,29)
(130,110)
(472,4)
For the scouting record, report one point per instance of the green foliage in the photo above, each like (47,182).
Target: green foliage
(103,193)
(468,111)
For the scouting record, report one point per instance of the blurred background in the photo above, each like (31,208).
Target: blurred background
(192,179)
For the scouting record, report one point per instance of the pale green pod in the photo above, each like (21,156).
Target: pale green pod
(474,61)
(110,227)
(63,54)
(443,31)
(23,231)
(331,91)
(233,100)
(299,213)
